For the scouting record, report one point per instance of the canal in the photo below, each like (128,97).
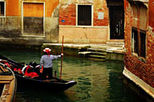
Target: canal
(96,81)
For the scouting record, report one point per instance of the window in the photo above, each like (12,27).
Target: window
(134,40)
(84,15)
(2,8)
(138,43)
(143,44)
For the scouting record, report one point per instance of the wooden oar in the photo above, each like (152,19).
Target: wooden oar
(61,57)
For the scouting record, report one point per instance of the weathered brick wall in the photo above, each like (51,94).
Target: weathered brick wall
(67,14)
(151,14)
(150,47)
(144,70)
(97,32)
(101,6)
(128,26)
(100,22)
(150,33)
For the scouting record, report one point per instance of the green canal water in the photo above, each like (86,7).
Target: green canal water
(96,81)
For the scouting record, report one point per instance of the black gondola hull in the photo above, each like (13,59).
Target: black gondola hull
(50,85)
(53,84)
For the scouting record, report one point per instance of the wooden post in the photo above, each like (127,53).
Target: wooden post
(61,57)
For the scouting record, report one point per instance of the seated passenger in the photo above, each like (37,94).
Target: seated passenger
(30,74)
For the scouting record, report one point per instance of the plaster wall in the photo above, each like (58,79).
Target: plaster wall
(13,7)
(83,35)
(11,24)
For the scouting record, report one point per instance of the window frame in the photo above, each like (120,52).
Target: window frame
(91,16)
(139,43)
(4,8)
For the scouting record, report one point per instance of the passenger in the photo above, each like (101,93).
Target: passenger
(30,74)
(18,70)
(46,63)
(35,67)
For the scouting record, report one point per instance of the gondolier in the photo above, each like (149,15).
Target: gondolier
(46,63)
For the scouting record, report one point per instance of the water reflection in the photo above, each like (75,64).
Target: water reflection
(96,81)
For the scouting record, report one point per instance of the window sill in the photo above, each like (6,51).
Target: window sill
(142,59)
(2,16)
(139,57)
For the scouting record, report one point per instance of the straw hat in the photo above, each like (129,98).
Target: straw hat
(47,50)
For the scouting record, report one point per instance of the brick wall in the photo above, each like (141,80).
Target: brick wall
(151,14)
(144,70)
(101,22)
(150,47)
(95,33)
(67,14)
(128,26)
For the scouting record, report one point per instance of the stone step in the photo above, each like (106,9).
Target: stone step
(92,53)
(115,44)
(97,59)
(84,52)
(97,49)
(98,56)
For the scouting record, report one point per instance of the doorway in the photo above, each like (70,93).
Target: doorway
(33,14)
(116,15)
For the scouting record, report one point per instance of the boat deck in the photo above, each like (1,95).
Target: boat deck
(7,83)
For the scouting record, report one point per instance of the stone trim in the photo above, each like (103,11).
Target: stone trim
(147,88)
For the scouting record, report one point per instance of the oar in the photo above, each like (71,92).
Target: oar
(61,57)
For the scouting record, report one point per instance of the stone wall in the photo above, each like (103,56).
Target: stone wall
(10,26)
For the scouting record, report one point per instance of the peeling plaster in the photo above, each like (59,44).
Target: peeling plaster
(55,13)
(66,5)
(85,1)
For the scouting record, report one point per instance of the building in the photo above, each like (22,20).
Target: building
(91,21)
(80,21)
(139,43)
(28,21)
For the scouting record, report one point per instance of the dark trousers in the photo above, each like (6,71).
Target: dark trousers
(47,73)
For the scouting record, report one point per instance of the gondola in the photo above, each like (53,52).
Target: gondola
(8,84)
(54,84)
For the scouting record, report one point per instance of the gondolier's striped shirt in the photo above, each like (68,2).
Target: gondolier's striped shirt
(46,60)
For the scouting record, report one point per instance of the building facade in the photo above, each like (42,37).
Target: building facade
(28,21)
(91,21)
(139,43)
(80,21)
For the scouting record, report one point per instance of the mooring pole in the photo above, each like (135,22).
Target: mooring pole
(61,57)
